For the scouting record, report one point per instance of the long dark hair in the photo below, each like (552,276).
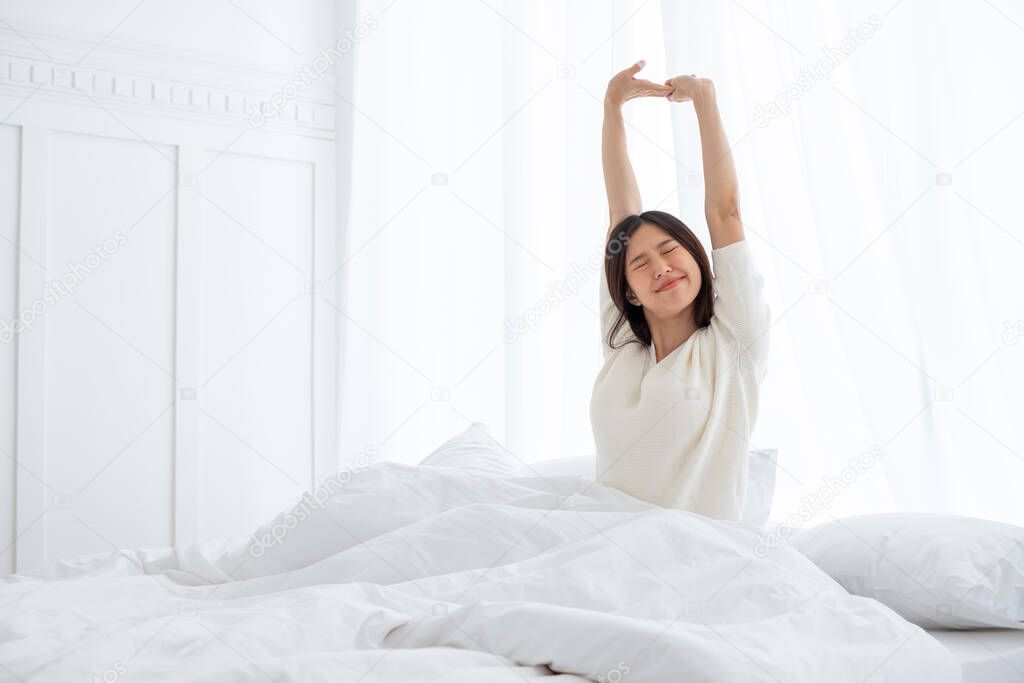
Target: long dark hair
(615,272)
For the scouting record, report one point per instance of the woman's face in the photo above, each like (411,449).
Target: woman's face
(655,259)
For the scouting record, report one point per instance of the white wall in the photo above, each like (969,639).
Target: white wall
(184,389)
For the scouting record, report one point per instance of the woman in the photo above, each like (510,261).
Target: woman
(675,403)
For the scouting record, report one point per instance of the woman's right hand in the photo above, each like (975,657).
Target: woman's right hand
(624,86)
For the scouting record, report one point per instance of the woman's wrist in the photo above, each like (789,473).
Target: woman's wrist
(612,101)
(704,94)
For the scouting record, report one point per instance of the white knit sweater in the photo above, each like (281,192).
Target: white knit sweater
(676,433)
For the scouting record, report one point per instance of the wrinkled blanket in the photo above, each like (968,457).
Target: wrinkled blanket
(423,573)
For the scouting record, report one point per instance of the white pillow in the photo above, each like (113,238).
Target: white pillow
(583,466)
(760,478)
(935,570)
(476,451)
(757,503)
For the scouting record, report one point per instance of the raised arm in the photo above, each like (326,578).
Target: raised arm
(721,189)
(619,179)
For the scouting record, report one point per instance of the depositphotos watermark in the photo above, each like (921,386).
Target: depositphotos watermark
(1013,331)
(63,286)
(812,504)
(558,292)
(111,675)
(811,74)
(313,500)
(616,674)
(307,74)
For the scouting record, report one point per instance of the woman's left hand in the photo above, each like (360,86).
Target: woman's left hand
(685,88)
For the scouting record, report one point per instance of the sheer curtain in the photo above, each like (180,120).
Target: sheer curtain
(876,197)
(877,194)
(468,289)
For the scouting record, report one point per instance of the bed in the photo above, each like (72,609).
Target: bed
(418,572)
(986,655)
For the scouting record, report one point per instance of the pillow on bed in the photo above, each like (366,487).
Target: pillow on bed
(760,478)
(935,570)
(757,504)
(474,450)
(582,466)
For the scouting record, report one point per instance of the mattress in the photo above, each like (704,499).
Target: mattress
(987,655)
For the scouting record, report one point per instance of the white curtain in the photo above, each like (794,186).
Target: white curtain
(877,199)
(879,205)
(469,286)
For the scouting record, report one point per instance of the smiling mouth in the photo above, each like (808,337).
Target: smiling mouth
(671,285)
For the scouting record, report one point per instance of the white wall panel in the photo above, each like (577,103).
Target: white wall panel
(256,321)
(109,344)
(10,194)
(186,389)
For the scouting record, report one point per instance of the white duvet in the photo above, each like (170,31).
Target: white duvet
(418,573)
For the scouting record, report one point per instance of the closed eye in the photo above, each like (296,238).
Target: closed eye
(641,265)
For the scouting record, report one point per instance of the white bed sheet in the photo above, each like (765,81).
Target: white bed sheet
(987,655)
